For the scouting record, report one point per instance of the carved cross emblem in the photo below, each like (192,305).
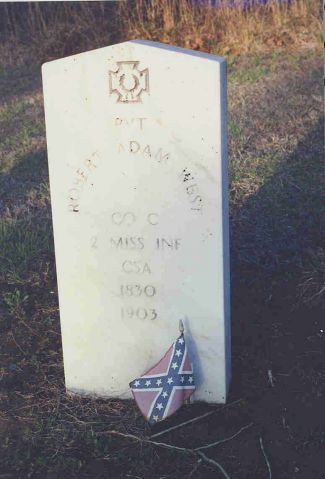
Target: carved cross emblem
(128,82)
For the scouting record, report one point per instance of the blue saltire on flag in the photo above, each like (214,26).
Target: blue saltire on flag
(164,388)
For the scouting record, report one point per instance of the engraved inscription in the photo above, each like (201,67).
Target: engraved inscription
(127,243)
(127,218)
(152,219)
(140,313)
(137,267)
(137,290)
(168,244)
(93,241)
(81,178)
(128,82)
(137,122)
(192,190)
(146,151)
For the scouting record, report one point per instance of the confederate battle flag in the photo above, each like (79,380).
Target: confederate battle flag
(163,389)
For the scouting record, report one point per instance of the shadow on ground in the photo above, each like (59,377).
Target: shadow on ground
(278,341)
(276,230)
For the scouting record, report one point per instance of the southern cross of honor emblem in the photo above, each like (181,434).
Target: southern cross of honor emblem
(128,82)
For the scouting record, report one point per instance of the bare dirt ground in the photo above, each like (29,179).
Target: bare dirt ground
(277,282)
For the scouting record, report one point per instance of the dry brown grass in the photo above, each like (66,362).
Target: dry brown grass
(55,29)
(227,29)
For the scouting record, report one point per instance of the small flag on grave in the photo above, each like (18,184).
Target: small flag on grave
(163,389)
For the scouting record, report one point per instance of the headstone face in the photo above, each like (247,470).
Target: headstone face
(136,136)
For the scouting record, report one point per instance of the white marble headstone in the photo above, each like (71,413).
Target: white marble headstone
(137,149)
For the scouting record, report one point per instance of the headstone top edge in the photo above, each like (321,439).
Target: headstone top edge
(148,43)
(176,49)
(77,55)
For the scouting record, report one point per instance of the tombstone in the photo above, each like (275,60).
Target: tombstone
(137,150)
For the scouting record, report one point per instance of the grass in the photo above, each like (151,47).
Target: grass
(252,75)
(53,30)
(226,30)
(22,244)
(277,259)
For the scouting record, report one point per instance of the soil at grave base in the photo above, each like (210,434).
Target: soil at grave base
(278,376)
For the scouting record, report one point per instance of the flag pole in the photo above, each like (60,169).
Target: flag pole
(181,330)
(181,327)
